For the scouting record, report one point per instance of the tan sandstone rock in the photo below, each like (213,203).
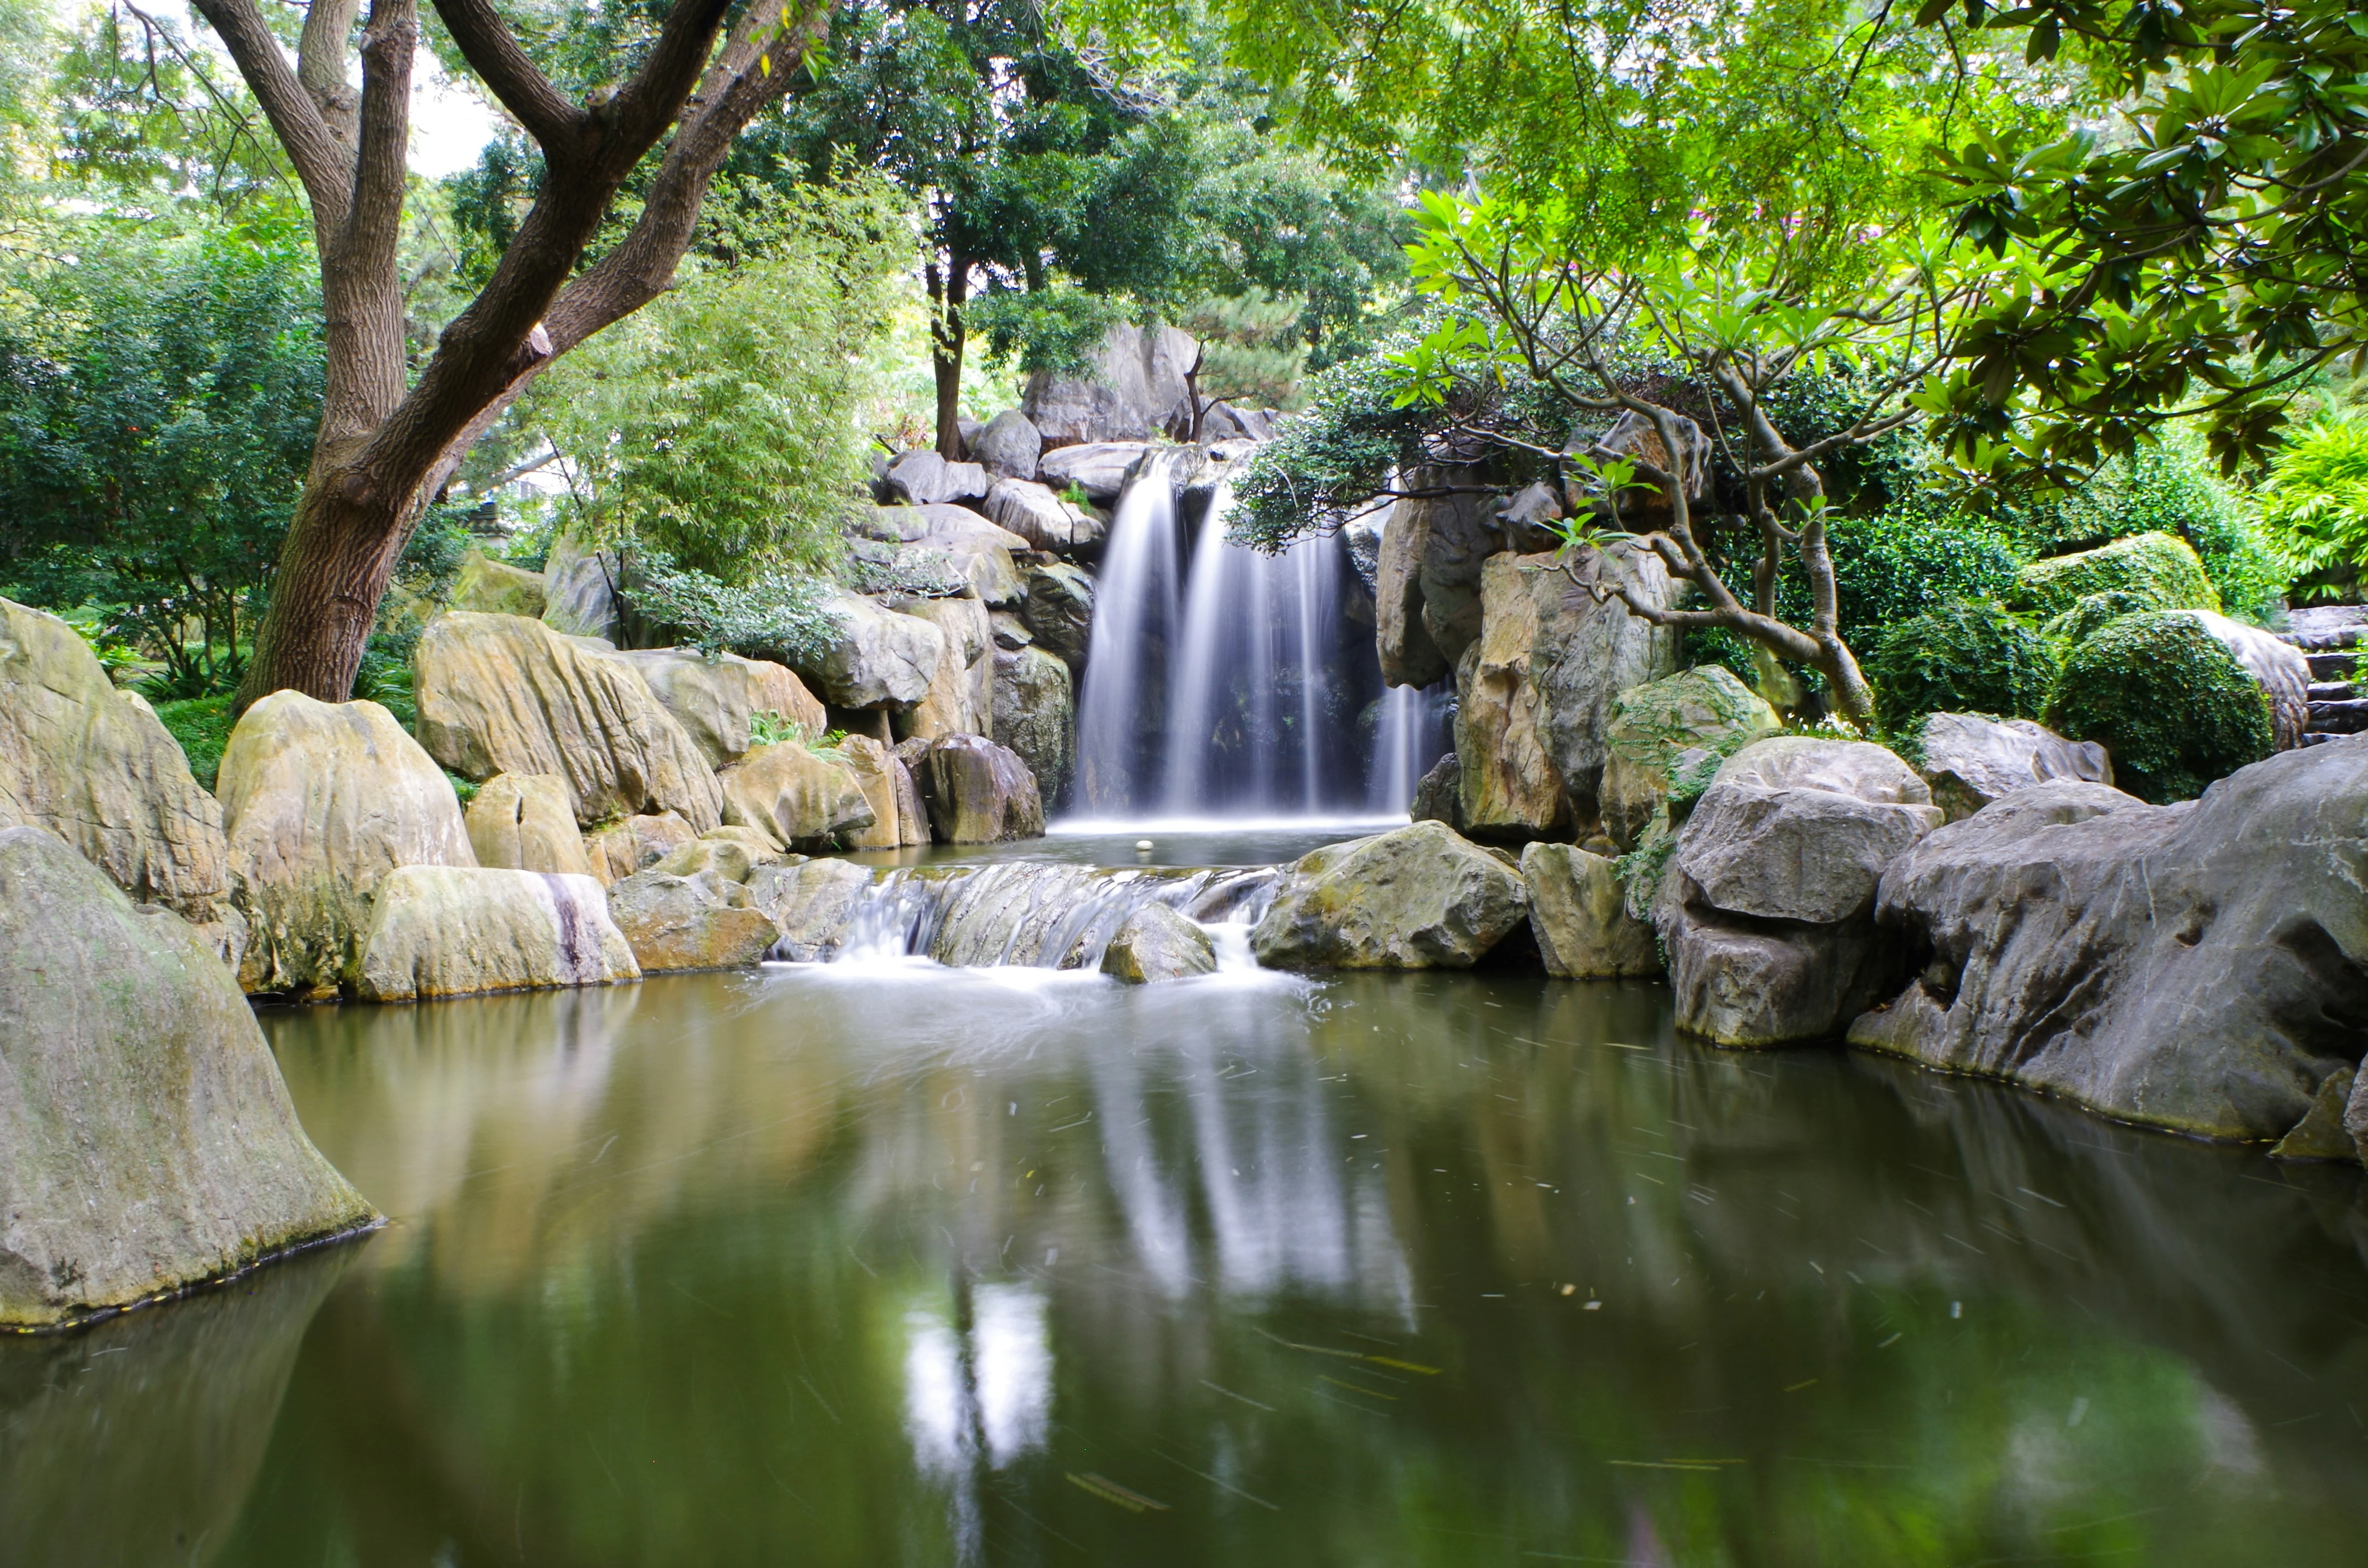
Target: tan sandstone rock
(797,795)
(718,702)
(961,699)
(525,821)
(1578,912)
(705,921)
(459,930)
(620,848)
(497,587)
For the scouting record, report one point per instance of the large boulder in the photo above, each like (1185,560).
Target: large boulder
(1101,468)
(812,904)
(1578,912)
(525,821)
(1006,447)
(633,844)
(1535,693)
(147,1143)
(502,694)
(798,796)
(1439,794)
(459,931)
(961,699)
(877,773)
(579,591)
(1703,710)
(978,792)
(322,801)
(1046,521)
(1156,943)
(1970,761)
(2202,966)
(1767,907)
(497,587)
(717,700)
(94,766)
(1130,386)
(1059,611)
(1420,897)
(1427,591)
(981,552)
(876,657)
(1635,435)
(922,478)
(704,921)
(1035,713)
(2280,667)
(2157,571)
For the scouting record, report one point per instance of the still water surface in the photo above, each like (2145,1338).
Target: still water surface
(890,1265)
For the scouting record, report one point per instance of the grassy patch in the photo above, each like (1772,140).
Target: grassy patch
(202,725)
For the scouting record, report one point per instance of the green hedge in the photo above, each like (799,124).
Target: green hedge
(1959,658)
(2169,702)
(2159,569)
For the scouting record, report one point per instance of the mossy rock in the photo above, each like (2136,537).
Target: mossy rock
(1960,658)
(2092,611)
(2168,699)
(2159,568)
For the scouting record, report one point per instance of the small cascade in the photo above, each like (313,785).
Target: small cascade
(1135,613)
(1033,913)
(1411,737)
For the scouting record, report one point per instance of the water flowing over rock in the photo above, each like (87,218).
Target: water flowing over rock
(1579,913)
(322,801)
(1654,725)
(459,931)
(811,904)
(977,792)
(525,821)
(92,766)
(1426,590)
(1131,386)
(1101,468)
(961,699)
(717,700)
(146,1140)
(796,795)
(1007,446)
(1034,715)
(1032,913)
(1971,761)
(1420,897)
(2203,966)
(1059,611)
(922,478)
(497,587)
(1155,943)
(579,591)
(1767,908)
(500,694)
(705,921)
(634,844)
(878,658)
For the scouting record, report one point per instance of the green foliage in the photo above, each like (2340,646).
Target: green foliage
(778,615)
(1959,658)
(1251,351)
(385,675)
(2089,612)
(718,426)
(2159,568)
(202,725)
(766,728)
(929,573)
(2167,487)
(2169,702)
(1054,331)
(2315,498)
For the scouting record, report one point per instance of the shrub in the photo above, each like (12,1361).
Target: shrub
(2090,612)
(2168,488)
(2169,702)
(2159,568)
(2316,501)
(778,615)
(1959,658)
(202,725)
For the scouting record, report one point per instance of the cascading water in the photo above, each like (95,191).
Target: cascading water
(1135,613)
(1411,737)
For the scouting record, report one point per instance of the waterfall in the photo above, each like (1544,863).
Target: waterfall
(1411,737)
(1135,612)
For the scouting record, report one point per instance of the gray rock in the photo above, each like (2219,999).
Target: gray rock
(811,904)
(1420,897)
(1006,447)
(705,921)
(525,821)
(579,591)
(1127,393)
(716,700)
(1525,520)
(1059,610)
(1035,711)
(1042,518)
(1767,908)
(1970,761)
(2202,967)
(147,1143)
(1155,943)
(1362,535)
(1634,436)
(2321,1133)
(1011,633)
(899,524)
(2278,665)
(977,792)
(981,551)
(1439,794)
(1427,580)
(1100,468)
(1578,912)
(922,478)
(1654,726)
(878,657)
(460,931)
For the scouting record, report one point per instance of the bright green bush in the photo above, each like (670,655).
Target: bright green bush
(2090,612)
(1959,658)
(202,725)
(2159,568)
(2315,500)
(2169,488)
(2169,702)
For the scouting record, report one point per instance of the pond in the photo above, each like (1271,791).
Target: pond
(881,1263)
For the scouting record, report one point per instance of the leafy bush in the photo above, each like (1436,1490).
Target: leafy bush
(777,616)
(2169,702)
(2157,567)
(2092,611)
(1959,658)
(2316,499)
(2169,488)
(202,725)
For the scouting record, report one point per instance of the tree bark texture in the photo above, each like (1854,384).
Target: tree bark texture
(949,292)
(385,446)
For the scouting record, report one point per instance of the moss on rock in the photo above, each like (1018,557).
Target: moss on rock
(2168,699)
(2157,567)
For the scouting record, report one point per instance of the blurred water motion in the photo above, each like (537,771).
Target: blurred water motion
(892,1264)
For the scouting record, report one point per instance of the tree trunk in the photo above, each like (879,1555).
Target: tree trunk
(949,291)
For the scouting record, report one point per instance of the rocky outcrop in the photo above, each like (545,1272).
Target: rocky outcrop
(961,699)
(147,1143)
(1059,611)
(812,905)
(1420,897)
(620,848)
(1767,908)
(1970,761)
(733,859)
(2202,966)
(697,921)
(579,591)
(980,552)
(497,587)
(1427,583)
(2277,664)
(1006,447)
(322,801)
(501,694)
(1634,435)
(1101,468)
(1034,715)
(716,700)
(1535,693)
(922,478)
(1156,943)
(1439,794)
(460,931)
(796,795)
(1704,711)
(1578,912)
(1046,521)
(977,792)
(1129,387)
(878,774)
(92,766)
(878,658)
(525,821)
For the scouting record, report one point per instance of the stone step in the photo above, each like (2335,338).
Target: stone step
(2333,666)
(2332,691)
(2349,718)
(2327,641)
(2318,738)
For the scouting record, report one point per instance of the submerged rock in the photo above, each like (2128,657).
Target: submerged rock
(525,821)
(1767,908)
(1156,943)
(717,701)
(978,792)
(1420,897)
(460,931)
(620,848)
(797,795)
(705,921)
(1579,913)
(2202,967)
(811,903)
(147,1143)
(323,800)
(1970,761)
(501,694)
(1035,715)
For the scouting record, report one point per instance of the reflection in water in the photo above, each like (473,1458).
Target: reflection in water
(906,1266)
